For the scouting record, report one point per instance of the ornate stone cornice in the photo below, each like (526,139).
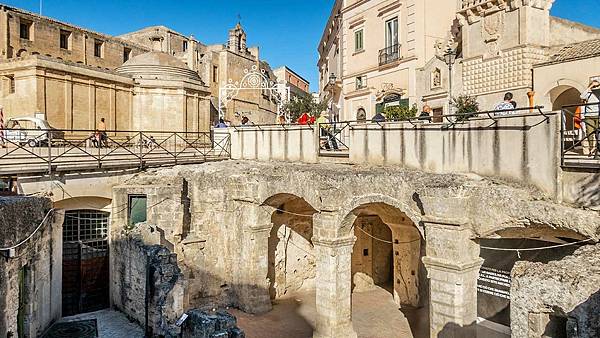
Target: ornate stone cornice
(475,9)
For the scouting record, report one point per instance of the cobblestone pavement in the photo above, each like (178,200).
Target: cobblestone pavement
(111,324)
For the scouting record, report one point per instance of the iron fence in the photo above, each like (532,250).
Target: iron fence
(52,150)
(580,136)
(334,139)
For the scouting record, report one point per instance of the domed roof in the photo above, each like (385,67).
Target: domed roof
(155,59)
(159,66)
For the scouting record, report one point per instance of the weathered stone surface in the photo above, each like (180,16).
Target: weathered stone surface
(149,284)
(34,267)
(566,288)
(219,324)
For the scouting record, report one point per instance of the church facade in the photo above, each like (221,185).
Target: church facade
(154,79)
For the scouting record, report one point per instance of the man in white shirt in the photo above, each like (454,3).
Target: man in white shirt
(505,107)
(591,144)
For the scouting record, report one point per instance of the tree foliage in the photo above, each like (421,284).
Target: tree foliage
(301,104)
(400,113)
(466,107)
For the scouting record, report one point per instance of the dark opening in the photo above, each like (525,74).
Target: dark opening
(24,30)
(64,39)
(98,48)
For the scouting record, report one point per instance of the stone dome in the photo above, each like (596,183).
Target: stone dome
(157,65)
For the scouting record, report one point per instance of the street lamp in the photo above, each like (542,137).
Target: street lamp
(450,59)
(332,79)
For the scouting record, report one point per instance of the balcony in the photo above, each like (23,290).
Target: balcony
(389,55)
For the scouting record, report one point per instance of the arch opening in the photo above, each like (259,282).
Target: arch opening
(291,257)
(387,272)
(494,282)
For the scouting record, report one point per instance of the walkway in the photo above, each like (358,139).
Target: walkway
(110,324)
(375,315)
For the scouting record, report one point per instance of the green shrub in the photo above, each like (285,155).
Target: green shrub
(466,107)
(400,113)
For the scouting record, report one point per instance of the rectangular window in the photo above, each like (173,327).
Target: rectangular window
(25,29)
(359,40)
(361,82)
(215,74)
(98,48)
(65,36)
(391,33)
(137,209)
(126,54)
(10,83)
(185,46)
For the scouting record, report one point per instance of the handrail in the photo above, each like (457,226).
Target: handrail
(50,150)
(586,137)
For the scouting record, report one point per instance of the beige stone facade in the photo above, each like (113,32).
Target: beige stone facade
(73,77)
(380,45)
(298,85)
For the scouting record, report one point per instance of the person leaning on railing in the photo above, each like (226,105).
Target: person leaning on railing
(591,144)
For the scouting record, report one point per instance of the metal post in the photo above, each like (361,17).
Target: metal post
(49,141)
(450,89)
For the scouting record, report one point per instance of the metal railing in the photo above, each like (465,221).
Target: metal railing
(54,150)
(389,54)
(580,136)
(333,139)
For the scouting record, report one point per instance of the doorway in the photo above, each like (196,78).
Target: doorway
(85,262)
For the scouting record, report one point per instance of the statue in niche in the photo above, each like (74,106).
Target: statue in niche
(436,78)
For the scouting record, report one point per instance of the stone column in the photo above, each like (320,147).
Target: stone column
(452,264)
(253,265)
(333,288)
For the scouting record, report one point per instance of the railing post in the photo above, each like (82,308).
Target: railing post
(562,137)
(141,143)
(49,141)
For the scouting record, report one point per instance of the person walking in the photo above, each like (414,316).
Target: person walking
(505,107)
(102,129)
(591,144)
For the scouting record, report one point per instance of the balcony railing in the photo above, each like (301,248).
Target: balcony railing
(389,54)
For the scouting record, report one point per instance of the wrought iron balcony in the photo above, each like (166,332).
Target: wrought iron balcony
(389,54)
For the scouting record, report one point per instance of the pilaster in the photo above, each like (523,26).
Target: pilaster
(333,292)
(452,264)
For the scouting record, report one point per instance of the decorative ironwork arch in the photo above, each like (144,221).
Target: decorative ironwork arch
(254,79)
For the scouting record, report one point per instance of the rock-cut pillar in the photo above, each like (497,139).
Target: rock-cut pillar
(453,265)
(333,288)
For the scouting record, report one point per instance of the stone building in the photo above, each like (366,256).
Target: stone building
(537,59)
(297,84)
(73,77)
(379,45)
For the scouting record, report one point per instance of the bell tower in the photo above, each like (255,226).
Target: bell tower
(237,39)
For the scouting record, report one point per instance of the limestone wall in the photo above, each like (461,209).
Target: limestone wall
(521,149)
(32,275)
(267,143)
(44,39)
(148,285)
(569,288)
(71,96)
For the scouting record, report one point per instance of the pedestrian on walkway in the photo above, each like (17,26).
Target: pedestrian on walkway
(591,144)
(505,107)
(103,135)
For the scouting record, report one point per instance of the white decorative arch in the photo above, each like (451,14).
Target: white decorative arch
(254,79)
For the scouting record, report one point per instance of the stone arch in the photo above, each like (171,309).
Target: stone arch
(498,265)
(386,259)
(554,90)
(290,251)
(348,218)
(84,202)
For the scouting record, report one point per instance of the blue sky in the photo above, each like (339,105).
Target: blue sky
(287,31)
